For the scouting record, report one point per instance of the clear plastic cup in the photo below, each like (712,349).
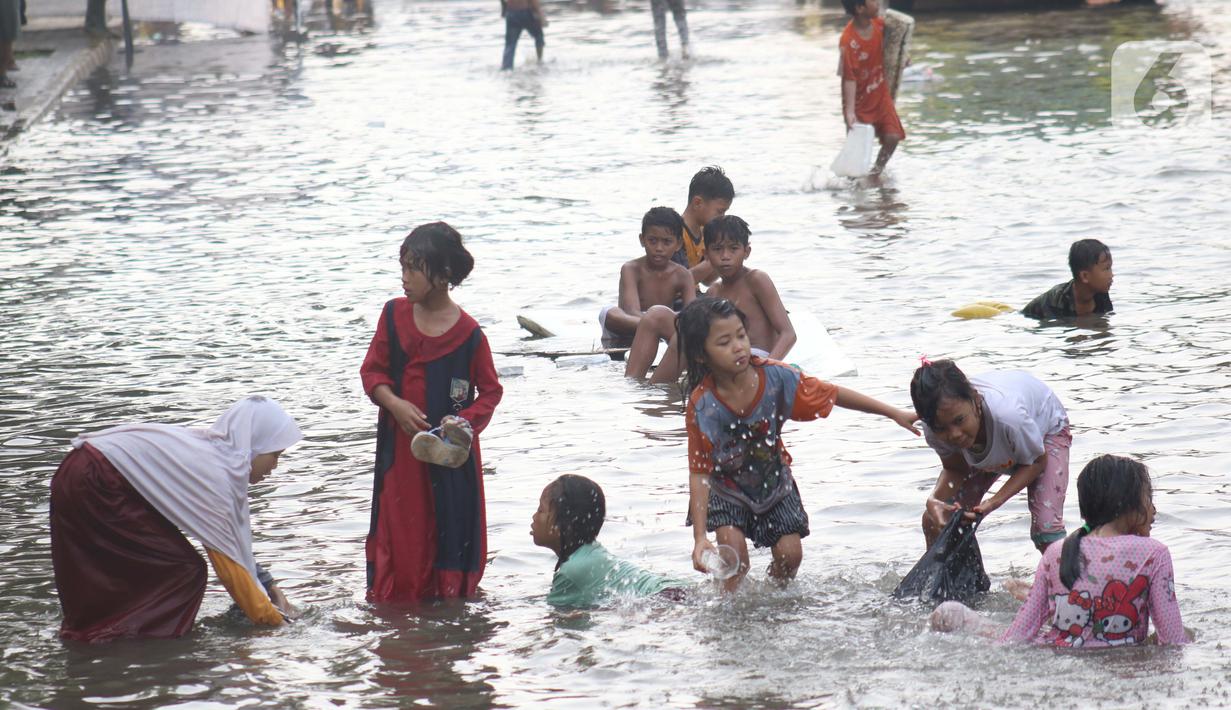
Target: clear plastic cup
(722,562)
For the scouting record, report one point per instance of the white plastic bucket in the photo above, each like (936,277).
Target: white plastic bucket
(856,157)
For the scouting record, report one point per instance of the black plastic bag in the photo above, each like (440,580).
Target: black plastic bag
(952,568)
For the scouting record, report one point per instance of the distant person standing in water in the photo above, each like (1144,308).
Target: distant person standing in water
(865,93)
(10,28)
(658,8)
(521,15)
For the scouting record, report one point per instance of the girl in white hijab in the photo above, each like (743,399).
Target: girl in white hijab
(119,500)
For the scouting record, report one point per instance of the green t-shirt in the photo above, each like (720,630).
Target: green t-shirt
(592,574)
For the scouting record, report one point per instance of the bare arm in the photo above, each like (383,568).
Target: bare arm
(850,399)
(630,300)
(1022,476)
(688,287)
(538,12)
(408,416)
(703,273)
(765,293)
(953,473)
(698,513)
(848,102)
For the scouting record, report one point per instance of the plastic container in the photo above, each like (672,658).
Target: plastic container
(722,562)
(856,157)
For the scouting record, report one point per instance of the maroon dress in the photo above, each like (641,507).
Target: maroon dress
(121,568)
(428,534)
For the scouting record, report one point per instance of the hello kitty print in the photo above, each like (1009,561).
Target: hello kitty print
(1126,581)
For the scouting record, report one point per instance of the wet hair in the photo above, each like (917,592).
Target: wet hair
(692,327)
(664,217)
(852,5)
(1108,487)
(1085,253)
(934,380)
(711,183)
(726,228)
(436,249)
(578,510)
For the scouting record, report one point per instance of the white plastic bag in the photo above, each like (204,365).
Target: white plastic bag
(856,157)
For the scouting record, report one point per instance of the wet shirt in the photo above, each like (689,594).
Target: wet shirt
(863,62)
(592,575)
(1057,302)
(1125,581)
(1020,411)
(742,452)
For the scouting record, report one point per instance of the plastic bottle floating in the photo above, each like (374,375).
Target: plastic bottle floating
(983,309)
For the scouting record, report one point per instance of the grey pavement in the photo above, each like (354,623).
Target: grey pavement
(53,54)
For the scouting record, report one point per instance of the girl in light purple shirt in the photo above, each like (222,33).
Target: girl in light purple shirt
(1104,584)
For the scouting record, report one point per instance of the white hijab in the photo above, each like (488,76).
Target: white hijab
(198,478)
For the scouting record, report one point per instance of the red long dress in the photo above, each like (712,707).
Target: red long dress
(412,552)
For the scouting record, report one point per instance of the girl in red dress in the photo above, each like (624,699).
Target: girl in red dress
(428,365)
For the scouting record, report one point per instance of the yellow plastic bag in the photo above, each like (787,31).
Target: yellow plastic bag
(983,309)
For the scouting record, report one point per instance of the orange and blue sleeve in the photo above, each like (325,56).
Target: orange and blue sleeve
(700,448)
(244,590)
(814,398)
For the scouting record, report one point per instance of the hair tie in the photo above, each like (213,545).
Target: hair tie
(924,361)
(1086,527)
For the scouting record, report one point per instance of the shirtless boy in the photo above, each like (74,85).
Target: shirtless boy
(650,280)
(769,327)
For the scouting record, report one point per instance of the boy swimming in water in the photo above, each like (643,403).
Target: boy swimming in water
(1086,293)
(865,93)
(650,280)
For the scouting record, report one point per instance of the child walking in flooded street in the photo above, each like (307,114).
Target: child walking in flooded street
(521,15)
(740,484)
(865,93)
(428,535)
(1106,581)
(658,8)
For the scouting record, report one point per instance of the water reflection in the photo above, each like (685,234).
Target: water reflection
(425,655)
(876,212)
(670,87)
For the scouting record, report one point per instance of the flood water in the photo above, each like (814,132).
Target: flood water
(225,220)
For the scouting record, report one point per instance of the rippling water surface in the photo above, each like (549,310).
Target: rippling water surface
(225,219)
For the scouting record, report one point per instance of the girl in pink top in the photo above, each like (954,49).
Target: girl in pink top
(1103,584)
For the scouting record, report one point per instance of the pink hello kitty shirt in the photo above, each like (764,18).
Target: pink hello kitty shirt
(1125,580)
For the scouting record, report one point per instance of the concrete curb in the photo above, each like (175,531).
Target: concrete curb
(84,62)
